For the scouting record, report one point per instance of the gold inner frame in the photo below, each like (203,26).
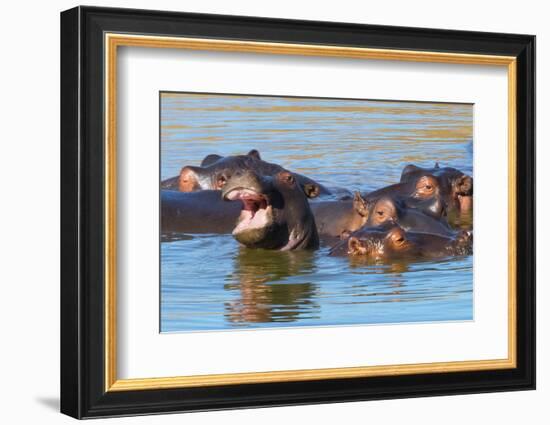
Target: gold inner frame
(113,41)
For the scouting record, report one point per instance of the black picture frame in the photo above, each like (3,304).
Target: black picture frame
(83,392)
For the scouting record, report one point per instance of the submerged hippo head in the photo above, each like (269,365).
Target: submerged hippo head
(456,187)
(393,242)
(275,213)
(391,210)
(215,170)
(421,193)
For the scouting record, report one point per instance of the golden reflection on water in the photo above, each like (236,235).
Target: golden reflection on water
(330,137)
(261,298)
(335,109)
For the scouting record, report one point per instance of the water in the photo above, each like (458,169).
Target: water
(208,282)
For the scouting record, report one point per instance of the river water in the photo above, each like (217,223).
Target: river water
(209,282)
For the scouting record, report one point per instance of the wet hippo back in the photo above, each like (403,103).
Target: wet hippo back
(333,218)
(197,212)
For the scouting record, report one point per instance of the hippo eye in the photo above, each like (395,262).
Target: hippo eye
(380,213)
(426,187)
(287,178)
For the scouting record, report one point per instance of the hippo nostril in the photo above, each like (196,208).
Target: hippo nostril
(221,182)
(465,237)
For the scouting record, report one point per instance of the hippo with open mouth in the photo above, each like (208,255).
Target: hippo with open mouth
(391,242)
(456,187)
(275,211)
(216,170)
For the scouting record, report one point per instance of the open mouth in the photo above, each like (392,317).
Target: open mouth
(256,212)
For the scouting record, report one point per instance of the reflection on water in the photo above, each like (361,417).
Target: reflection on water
(209,283)
(461,219)
(263,295)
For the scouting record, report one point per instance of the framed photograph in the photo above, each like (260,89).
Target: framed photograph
(261,212)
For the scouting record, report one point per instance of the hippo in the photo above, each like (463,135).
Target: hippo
(205,211)
(422,193)
(456,187)
(336,217)
(340,218)
(275,211)
(391,210)
(215,170)
(197,212)
(391,242)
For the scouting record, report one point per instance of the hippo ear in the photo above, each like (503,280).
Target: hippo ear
(254,154)
(465,237)
(189,179)
(311,190)
(210,159)
(360,205)
(407,170)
